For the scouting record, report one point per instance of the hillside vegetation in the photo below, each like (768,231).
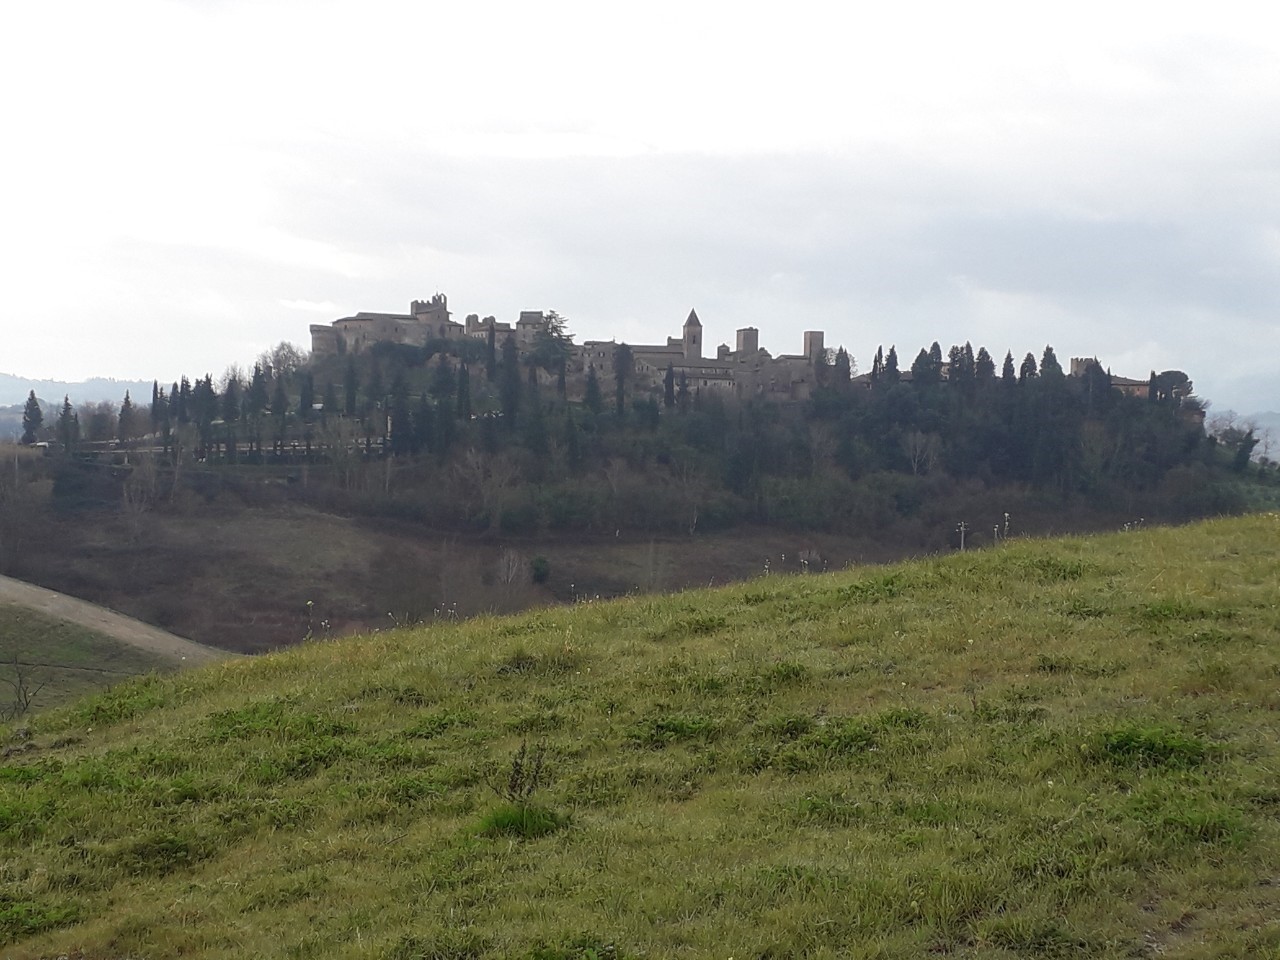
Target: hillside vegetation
(1064,748)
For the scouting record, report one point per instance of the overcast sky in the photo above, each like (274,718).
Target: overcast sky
(187,183)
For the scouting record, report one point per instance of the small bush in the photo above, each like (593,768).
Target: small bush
(159,854)
(23,918)
(1149,747)
(540,569)
(659,732)
(434,724)
(524,820)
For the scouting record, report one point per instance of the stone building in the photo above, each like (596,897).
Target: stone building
(426,320)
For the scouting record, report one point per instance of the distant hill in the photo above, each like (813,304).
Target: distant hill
(1055,749)
(14,389)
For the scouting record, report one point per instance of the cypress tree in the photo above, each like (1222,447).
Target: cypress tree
(891,374)
(423,425)
(593,399)
(307,397)
(443,382)
(1028,369)
(669,388)
(183,392)
(984,368)
(1050,368)
(127,425)
(491,350)
(843,370)
(350,387)
(399,420)
(510,386)
(32,419)
(280,411)
(463,404)
(68,425)
(1007,372)
(623,362)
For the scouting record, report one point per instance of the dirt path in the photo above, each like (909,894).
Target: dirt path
(108,622)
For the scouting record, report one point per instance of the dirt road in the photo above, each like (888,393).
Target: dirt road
(108,622)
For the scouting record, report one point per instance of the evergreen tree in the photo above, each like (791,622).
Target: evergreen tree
(924,370)
(843,370)
(255,399)
(1050,368)
(231,416)
(1028,369)
(376,392)
(491,350)
(443,382)
(877,366)
(32,419)
(182,390)
(593,398)
(623,364)
(510,386)
(551,345)
(68,425)
(1007,372)
(891,373)
(984,368)
(127,427)
(280,412)
(463,403)
(329,405)
(159,406)
(204,410)
(669,388)
(423,425)
(572,443)
(307,397)
(445,428)
(682,393)
(535,429)
(230,401)
(399,419)
(351,387)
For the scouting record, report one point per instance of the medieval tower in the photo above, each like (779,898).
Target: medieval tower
(693,337)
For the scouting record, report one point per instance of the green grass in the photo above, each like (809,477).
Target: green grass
(63,660)
(1057,749)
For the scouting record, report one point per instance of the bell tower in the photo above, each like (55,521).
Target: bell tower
(693,337)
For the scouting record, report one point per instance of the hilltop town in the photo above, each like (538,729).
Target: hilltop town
(745,371)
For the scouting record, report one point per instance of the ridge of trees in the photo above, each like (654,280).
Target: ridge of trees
(483,414)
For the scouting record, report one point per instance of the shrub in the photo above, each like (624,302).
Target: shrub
(540,569)
(1150,747)
(525,820)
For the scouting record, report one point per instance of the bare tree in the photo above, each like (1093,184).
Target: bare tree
(921,450)
(139,493)
(23,687)
(487,480)
(513,569)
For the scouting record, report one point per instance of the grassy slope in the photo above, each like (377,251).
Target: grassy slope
(1063,748)
(63,660)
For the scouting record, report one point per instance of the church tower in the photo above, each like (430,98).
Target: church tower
(693,337)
